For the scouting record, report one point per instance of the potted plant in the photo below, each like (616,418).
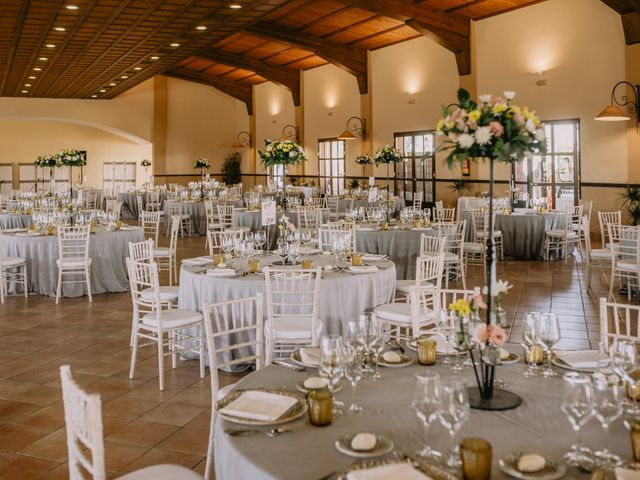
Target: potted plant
(354,184)
(231,172)
(630,196)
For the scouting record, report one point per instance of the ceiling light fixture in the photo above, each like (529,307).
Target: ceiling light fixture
(201,27)
(71,7)
(32,77)
(102,91)
(27,84)
(25,91)
(50,45)
(155,57)
(124,77)
(175,45)
(94,96)
(137,68)
(43,59)
(112,84)
(60,29)
(356,127)
(235,6)
(37,69)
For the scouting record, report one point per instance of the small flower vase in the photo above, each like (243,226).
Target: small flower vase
(498,316)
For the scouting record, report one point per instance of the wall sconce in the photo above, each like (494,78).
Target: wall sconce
(613,113)
(243,139)
(356,127)
(412,99)
(291,132)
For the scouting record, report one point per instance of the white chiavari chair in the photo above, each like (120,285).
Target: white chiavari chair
(310,219)
(454,233)
(430,245)
(235,335)
(446,215)
(150,222)
(12,269)
(624,242)
(293,304)
(225,215)
(175,209)
(429,270)
(602,257)
(604,219)
(418,198)
(407,320)
(332,201)
(165,257)
(73,257)
(327,230)
(85,442)
(153,201)
(480,224)
(141,209)
(559,241)
(618,322)
(162,327)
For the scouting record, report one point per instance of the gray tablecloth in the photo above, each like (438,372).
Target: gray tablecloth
(537,426)
(343,296)
(402,246)
(14,220)
(523,234)
(108,251)
(253,221)
(130,203)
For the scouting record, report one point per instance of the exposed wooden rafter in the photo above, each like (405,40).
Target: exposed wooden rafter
(629,11)
(451,30)
(350,59)
(239,90)
(285,76)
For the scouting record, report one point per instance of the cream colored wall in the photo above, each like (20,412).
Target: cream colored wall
(633,137)
(331,96)
(274,110)
(201,122)
(50,137)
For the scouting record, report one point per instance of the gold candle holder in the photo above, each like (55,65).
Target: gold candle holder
(415,223)
(384,226)
(50,230)
(534,354)
(635,441)
(254,265)
(427,351)
(475,454)
(633,394)
(307,264)
(320,403)
(218,258)
(356,260)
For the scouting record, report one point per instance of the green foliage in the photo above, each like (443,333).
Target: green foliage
(281,152)
(231,168)
(630,196)
(354,183)
(460,186)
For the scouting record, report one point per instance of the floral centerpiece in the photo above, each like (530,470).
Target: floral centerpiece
(201,164)
(496,130)
(388,154)
(285,227)
(282,152)
(145,163)
(364,159)
(46,161)
(72,158)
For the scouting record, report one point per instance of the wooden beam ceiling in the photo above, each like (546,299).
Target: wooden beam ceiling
(629,11)
(284,76)
(238,90)
(350,59)
(451,30)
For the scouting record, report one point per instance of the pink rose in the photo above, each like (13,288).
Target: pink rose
(498,99)
(493,333)
(496,129)
(519,119)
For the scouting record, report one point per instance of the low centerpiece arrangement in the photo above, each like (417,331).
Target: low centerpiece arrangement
(498,131)
(282,152)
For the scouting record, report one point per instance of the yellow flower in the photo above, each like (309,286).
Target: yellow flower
(461,306)
(474,115)
(440,125)
(451,124)
(279,147)
(499,108)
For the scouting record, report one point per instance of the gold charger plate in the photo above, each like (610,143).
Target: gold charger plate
(295,412)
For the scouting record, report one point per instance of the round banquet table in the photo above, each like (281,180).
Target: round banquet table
(198,215)
(130,203)
(343,295)
(537,426)
(108,251)
(253,221)
(14,220)
(364,202)
(522,234)
(401,245)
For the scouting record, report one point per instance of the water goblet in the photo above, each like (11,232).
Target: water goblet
(607,408)
(332,364)
(577,405)
(454,413)
(427,405)
(530,330)
(353,372)
(548,336)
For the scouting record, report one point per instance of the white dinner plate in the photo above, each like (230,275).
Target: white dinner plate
(404,362)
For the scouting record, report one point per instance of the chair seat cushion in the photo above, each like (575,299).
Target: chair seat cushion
(628,265)
(450,257)
(401,313)
(162,472)
(166,293)
(601,253)
(172,318)
(73,262)
(404,286)
(161,252)
(473,247)
(561,234)
(12,261)
(496,233)
(290,328)
(224,391)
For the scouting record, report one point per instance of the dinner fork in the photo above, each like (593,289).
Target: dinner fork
(272,432)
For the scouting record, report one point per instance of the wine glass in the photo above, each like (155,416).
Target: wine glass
(548,336)
(332,364)
(446,328)
(427,405)
(607,408)
(530,330)
(260,238)
(454,413)
(577,405)
(353,372)
(282,250)
(294,252)
(227,245)
(375,344)
(624,362)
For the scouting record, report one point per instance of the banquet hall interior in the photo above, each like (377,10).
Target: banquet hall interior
(319,239)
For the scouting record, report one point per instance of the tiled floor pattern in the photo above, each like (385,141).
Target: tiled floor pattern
(143,426)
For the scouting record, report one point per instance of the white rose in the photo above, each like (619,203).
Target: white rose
(509,94)
(465,140)
(483,135)
(292,154)
(485,98)
(540,136)
(530,126)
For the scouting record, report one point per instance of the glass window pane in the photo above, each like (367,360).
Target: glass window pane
(522,170)
(564,169)
(563,138)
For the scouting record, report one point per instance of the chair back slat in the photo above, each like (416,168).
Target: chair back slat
(141,251)
(74,241)
(618,322)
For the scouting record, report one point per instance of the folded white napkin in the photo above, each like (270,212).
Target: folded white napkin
(259,405)
(371,257)
(627,474)
(197,261)
(579,358)
(310,356)
(363,269)
(398,471)
(221,272)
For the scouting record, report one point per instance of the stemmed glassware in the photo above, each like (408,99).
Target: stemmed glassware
(282,250)
(577,405)
(607,408)
(548,336)
(353,372)
(227,245)
(294,251)
(447,327)
(624,362)
(427,405)
(260,238)
(530,331)
(332,365)
(375,344)
(454,413)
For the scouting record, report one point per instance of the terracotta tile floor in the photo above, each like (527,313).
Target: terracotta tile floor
(143,426)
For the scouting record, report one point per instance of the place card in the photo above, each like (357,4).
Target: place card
(268,212)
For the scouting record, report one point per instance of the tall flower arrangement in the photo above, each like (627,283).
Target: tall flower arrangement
(282,152)
(364,159)
(201,164)
(46,161)
(494,129)
(388,154)
(72,158)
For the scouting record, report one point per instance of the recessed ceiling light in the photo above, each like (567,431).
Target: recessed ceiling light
(102,91)
(201,27)
(25,91)
(32,77)
(37,69)
(60,29)
(112,84)
(94,96)
(174,45)
(27,84)
(235,6)
(43,59)
(155,57)
(50,45)
(71,7)
(137,68)
(124,77)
